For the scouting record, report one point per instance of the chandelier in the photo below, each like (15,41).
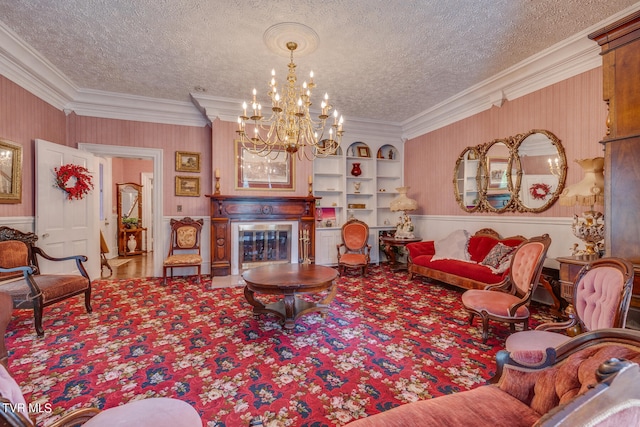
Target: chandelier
(290,127)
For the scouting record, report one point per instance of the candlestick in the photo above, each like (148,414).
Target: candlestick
(217,173)
(217,191)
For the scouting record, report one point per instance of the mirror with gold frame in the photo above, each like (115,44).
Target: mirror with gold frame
(467,179)
(524,173)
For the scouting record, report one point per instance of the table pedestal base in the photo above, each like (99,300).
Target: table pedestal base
(291,307)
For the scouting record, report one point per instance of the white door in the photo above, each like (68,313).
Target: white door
(65,227)
(147,209)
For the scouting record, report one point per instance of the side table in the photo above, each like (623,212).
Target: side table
(390,242)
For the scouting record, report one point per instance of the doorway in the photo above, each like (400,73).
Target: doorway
(156,155)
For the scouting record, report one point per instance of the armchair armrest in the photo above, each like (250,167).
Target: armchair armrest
(79,259)
(421,248)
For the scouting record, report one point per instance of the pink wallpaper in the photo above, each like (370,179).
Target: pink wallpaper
(23,118)
(573,110)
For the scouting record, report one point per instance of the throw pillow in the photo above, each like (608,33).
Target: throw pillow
(496,254)
(454,246)
(504,265)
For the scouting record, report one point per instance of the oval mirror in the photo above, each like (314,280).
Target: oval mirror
(498,181)
(542,171)
(466,179)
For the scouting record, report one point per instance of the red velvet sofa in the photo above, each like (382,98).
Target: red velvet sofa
(467,274)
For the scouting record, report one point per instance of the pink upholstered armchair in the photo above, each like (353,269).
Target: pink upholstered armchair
(508,301)
(601,296)
(354,250)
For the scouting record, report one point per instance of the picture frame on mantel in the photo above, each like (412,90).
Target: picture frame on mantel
(188,186)
(10,172)
(275,171)
(187,161)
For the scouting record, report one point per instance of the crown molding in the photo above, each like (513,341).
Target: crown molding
(110,105)
(560,62)
(566,59)
(23,65)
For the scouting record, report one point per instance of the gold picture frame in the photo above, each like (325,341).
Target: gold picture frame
(274,171)
(188,186)
(187,161)
(363,151)
(10,172)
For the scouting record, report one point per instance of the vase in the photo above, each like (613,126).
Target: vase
(355,169)
(132,244)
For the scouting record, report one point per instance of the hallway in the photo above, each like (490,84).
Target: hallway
(132,266)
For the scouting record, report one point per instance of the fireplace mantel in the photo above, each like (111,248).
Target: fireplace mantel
(227,209)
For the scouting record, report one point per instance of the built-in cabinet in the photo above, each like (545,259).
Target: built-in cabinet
(359,181)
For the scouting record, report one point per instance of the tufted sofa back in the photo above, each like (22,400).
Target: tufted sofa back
(548,388)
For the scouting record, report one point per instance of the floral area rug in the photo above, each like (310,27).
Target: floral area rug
(386,341)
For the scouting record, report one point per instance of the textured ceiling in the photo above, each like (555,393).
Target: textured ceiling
(378,59)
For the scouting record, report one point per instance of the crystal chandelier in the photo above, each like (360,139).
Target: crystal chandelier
(290,128)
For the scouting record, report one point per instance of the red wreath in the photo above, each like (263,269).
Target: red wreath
(540,191)
(83,184)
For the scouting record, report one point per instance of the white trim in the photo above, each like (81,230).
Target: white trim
(156,155)
(23,65)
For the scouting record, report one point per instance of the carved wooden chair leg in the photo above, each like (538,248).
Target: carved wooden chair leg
(87,300)
(485,329)
(37,317)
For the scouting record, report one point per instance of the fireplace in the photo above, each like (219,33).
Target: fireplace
(255,244)
(229,213)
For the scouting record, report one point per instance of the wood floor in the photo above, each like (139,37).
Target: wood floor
(136,266)
(142,266)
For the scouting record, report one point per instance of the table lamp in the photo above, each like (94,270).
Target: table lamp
(402,203)
(589,192)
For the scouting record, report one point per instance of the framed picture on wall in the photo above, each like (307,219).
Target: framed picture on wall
(188,186)
(10,172)
(187,161)
(275,171)
(364,152)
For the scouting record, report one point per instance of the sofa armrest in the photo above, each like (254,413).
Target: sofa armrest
(421,248)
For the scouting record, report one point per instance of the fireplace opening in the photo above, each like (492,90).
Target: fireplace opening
(264,243)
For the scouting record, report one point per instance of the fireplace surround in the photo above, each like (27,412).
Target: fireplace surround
(233,210)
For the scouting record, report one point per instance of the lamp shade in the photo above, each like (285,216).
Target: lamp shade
(589,191)
(402,202)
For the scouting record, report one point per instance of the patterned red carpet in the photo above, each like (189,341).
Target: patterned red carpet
(387,341)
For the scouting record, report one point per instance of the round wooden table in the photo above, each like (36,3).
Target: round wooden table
(289,280)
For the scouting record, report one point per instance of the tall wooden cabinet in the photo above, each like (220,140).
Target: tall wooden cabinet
(620,50)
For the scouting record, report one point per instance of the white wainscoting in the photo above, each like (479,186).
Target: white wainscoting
(26,224)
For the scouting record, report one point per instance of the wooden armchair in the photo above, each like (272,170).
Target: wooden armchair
(20,276)
(354,250)
(601,298)
(508,301)
(184,246)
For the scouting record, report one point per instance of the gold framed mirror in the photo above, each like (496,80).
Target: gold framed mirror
(524,173)
(467,179)
(542,173)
